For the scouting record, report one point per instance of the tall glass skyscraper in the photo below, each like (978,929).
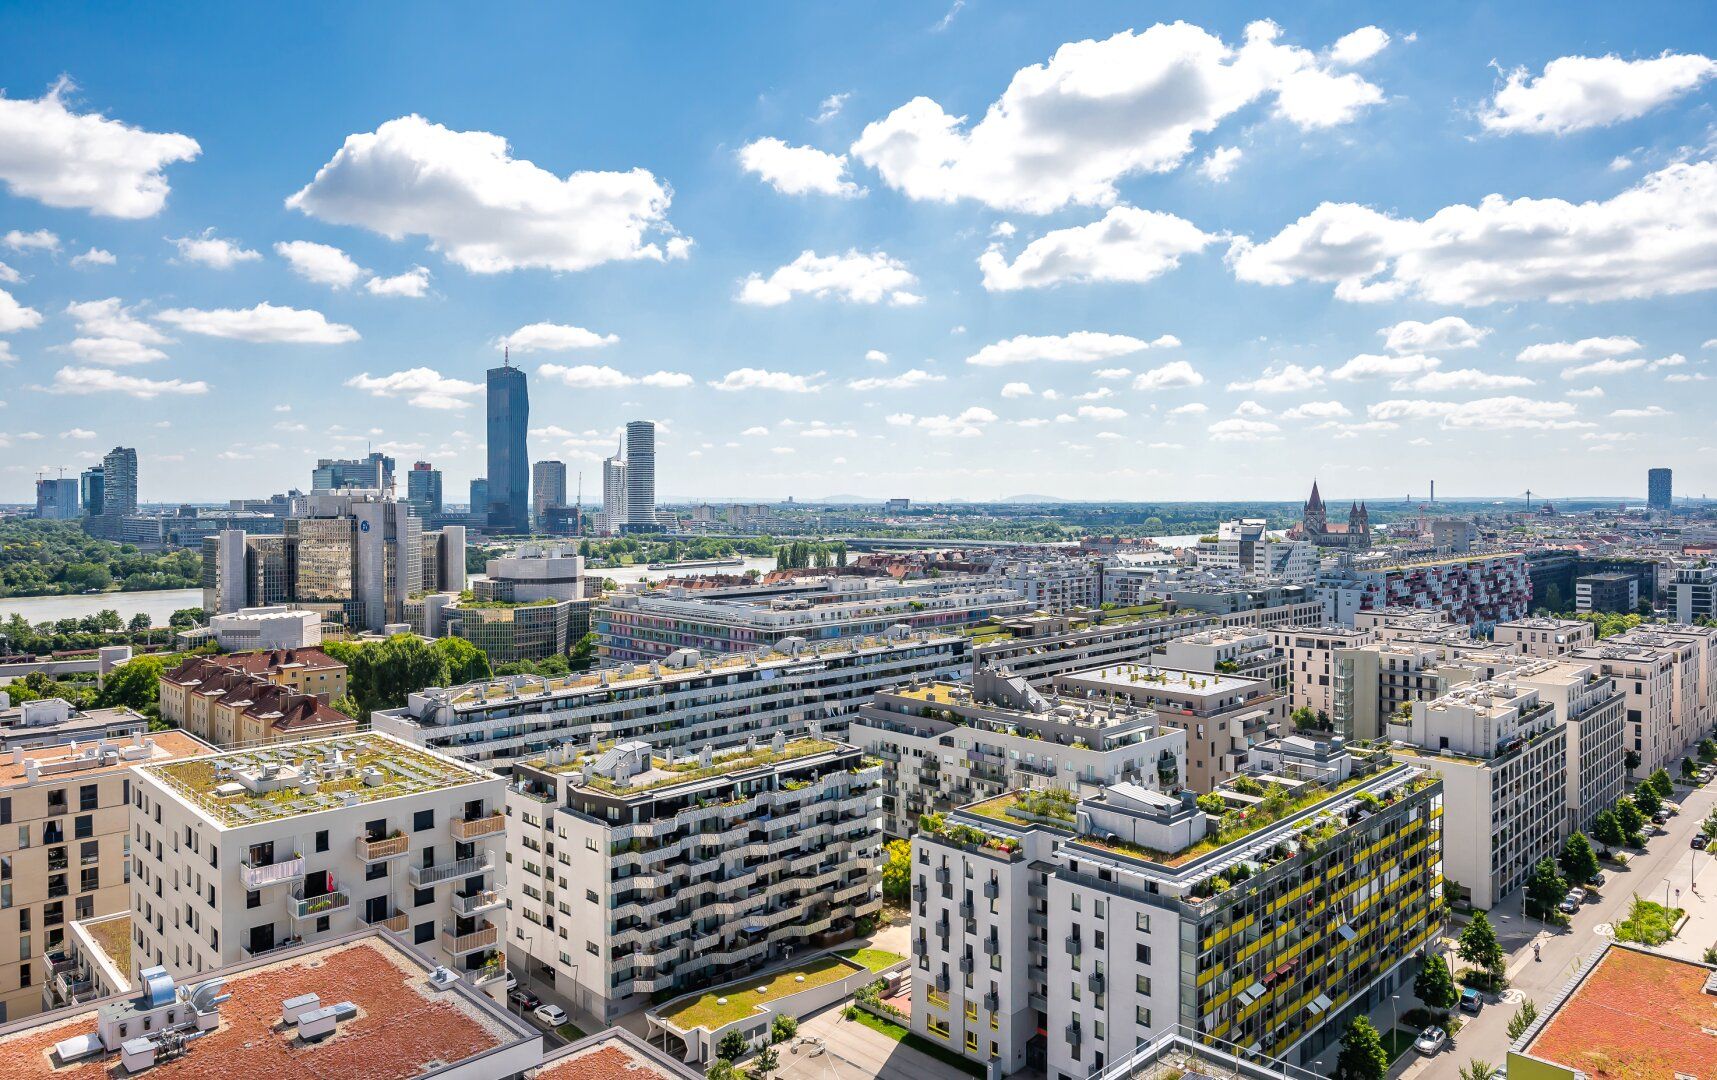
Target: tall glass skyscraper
(1659,489)
(640,476)
(509,468)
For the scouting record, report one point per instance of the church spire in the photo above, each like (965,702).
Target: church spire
(1316,502)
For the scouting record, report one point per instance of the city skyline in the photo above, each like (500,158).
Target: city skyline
(910,256)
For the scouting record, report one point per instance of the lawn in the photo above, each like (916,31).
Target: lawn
(918,1042)
(707,1011)
(1648,923)
(569,1033)
(1397,1041)
(875,959)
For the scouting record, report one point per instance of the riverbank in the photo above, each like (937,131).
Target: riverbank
(158,604)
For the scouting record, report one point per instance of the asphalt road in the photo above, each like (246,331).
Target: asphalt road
(1668,858)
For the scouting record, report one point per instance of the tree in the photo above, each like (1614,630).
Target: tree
(1707,749)
(897,871)
(1362,1055)
(1608,829)
(731,1046)
(766,1062)
(1475,1069)
(722,1069)
(1647,799)
(1661,783)
(1709,825)
(1688,770)
(135,684)
(783,1027)
(1545,888)
(465,661)
(583,655)
(139,622)
(379,675)
(345,705)
(1629,817)
(1522,1019)
(1578,861)
(1434,985)
(1630,760)
(1478,945)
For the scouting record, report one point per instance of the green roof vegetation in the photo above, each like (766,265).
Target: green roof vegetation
(688,770)
(113,936)
(723,1005)
(877,960)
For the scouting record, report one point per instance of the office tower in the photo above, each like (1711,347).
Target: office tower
(1658,490)
(548,488)
(92,493)
(480,499)
(57,500)
(423,490)
(374,472)
(613,493)
(119,482)
(509,468)
(641,476)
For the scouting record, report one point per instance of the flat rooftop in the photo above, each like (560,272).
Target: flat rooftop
(403,1027)
(615,1054)
(72,762)
(247,787)
(1634,1015)
(1147,677)
(686,768)
(721,1005)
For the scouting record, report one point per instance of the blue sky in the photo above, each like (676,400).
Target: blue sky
(1104,258)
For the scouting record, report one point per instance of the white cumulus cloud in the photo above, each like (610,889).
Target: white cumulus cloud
(94,257)
(263,323)
(1171,376)
(15,316)
(1317,410)
(111,351)
(1220,163)
(1126,244)
(968,424)
(603,377)
(1497,413)
(856,277)
(211,250)
(1284,380)
(1374,366)
(484,209)
(1016,390)
(1358,46)
(111,319)
(1448,332)
(1569,352)
(85,161)
(412,283)
(1432,382)
(89,380)
(423,387)
(1237,429)
(798,170)
(906,380)
(760,379)
(323,264)
(1079,347)
(36,240)
(1658,237)
(555,337)
(1066,131)
(1579,92)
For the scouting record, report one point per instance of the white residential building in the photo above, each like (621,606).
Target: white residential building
(950,744)
(1310,653)
(240,853)
(633,874)
(1693,593)
(1229,650)
(684,702)
(1546,638)
(1057,586)
(1588,702)
(1245,546)
(1503,759)
(261,629)
(613,493)
(1041,647)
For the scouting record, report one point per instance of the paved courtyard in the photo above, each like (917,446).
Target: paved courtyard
(855,1052)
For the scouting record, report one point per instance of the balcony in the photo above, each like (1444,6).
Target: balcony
(286,943)
(477,828)
(1096,982)
(422,877)
(314,907)
(1073,1034)
(375,851)
(483,937)
(467,905)
(992,946)
(1075,946)
(967,911)
(967,965)
(992,889)
(398,923)
(991,1002)
(489,974)
(260,877)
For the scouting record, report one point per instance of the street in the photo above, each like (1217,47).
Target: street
(1668,860)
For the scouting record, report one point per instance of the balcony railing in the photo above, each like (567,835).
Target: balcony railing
(259,877)
(374,851)
(399,923)
(476,903)
(425,876)
(461,944)
(473,828)
(314,907)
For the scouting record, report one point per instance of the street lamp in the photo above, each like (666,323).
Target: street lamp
(1394,1015)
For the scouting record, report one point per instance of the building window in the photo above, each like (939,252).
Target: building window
(87,796)
(423,819)
(252,899)
(423,896)
(1143,1016)
(321,840)
(1142,953)
(423,933)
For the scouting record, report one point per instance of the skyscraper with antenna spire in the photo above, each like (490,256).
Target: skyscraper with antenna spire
(509,474)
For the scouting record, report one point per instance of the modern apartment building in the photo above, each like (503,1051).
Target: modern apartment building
(948,744)
(248,699)
(92,484)
(1477,590)
(633,873)
(1041,647)
(1660,489)
(506,630)
(646,625)
(1222,715)
(1503,759)
(423,491)
(65,786)
(1064,585)
(614,492)
(1229,650)
(1693,593)
(1546,638)
(1067,932)
(58,499)
(241,853)
(684,702)
(1593,709)
(1611,592)
(1310,654)
(1245,546)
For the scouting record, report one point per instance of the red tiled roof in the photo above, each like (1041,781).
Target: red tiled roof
(609,1060)
(402,1026)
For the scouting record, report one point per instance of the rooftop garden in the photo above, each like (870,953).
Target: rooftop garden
(688,770)
(877,960)
(1052,806)
(723,1005)
(113,936)
(937,825)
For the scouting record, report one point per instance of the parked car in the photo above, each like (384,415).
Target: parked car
(524,1000)
(1661,817)
(1571,903)
(1431,1040)
(551,1015)
(1598,880)
(1699,841)
(1470,1000)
